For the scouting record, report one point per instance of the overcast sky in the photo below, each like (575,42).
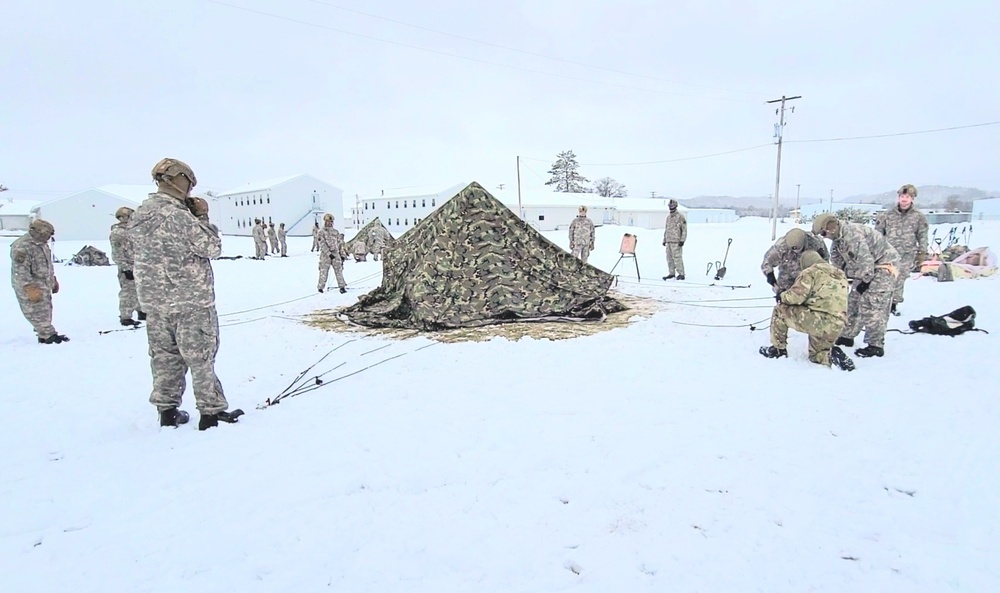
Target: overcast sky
(96,92)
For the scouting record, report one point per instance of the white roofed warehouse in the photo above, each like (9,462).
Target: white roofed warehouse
(298,201)
(87,215)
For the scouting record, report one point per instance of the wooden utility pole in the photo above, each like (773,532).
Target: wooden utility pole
(779,133)
(798,213)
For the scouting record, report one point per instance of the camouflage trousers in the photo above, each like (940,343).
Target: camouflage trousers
(908,261)
(260,248)
(39,314)
(273,244)
(178,341)
(128,301)
(581,253)
(870,311)
(325,261)
(315,246)
(823,329)
(377,251)
(283,245)
(675,259)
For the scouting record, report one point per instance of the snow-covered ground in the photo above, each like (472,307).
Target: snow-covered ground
(659,457)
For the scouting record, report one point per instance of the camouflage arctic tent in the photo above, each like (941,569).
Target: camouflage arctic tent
(473,262)
(90,256)
(366,233)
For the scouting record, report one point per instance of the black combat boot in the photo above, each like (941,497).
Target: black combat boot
(869,351)
(320,289)
(680,276)
(772,352)
(173,417)
(894,311)
(210,420)
(849,342)
(128,322)
(668,277)
(53,339)
(342,290)
(841,360)
(141,316)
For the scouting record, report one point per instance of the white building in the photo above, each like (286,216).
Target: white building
(88,215)
(811,210)
(988,209)
(297,201)
(15,215)
(543,209)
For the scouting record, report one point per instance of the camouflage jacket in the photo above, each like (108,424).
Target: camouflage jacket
(173,252)
(360,248)
(271,234)
(786,258)
(331,242)
(820,287)
(281,234)
(379,236)
(581,233)
(859,249)
(31,263)
(316,230)
(676,229)
(122,248)
(906,230)
(257,233)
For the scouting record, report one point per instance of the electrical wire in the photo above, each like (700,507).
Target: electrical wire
(677,160)
(912,133)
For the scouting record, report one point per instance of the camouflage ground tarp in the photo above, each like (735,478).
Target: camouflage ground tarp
(90,256)
(473,262)
(365,234)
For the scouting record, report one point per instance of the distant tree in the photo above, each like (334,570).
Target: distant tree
(955,203)
(607,187)
(858,215)
(564,174)
(210,193)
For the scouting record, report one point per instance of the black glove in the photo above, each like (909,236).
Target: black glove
(777,297)
(680,244)
(771,279)
(129,275)
(862,287)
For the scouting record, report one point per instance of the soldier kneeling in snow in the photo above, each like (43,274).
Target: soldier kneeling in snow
(816,304)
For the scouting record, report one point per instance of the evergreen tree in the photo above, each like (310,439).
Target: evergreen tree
(564,175)
(609,188)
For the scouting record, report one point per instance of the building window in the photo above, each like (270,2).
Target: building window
(407,222)
(366,205)
(423,202)
(397,222)
(397,203)
(268,199)
(432,202)
(541,217)
(404,203)
(255,201)
(414,203)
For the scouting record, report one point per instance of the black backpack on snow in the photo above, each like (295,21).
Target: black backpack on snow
(953,324)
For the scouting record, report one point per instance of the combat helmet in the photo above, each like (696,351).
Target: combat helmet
(809,258)
(124,213)
(173,168)
(795,238)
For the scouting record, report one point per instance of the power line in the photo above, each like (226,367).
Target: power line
(461,57)
(525,52)
(678,160)
(979,125)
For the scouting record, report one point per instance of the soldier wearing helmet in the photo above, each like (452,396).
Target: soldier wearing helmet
(259,239)
(281,240)
(34,279)
(905,228)
(785,254)
(675,233)
(581,235)
(872,264)
(331,253)
(815,304)
(123,254)
(174,245)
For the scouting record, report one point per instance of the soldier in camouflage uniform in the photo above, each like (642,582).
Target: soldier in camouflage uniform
(872,264)
(123,254)
(315,245)
(815,304)
(281,240)
(331,253)
(785,255)
(360,249)
(272,238)
(34,279)
(377,239)
(674,235)
(259,242)
(581,235)
(174,245)
(905,228)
